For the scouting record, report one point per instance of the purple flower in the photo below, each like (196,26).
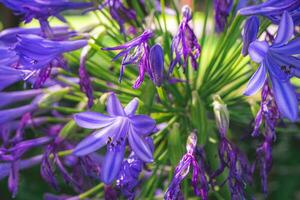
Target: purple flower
(119,12)
(222,10)
(36,52)
(41,10)
(185,43)
(113,130)
(131,168)
(182,170)
(156,64)
(279,62)
(135,51)
(274,9)
(39,55)
(268,114)
(7,56)
(250,32)
(7,115)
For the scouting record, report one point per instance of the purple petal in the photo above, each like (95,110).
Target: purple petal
(256,81)
(286,99)
(92,120)
(142,124)
(293,47)
(258,50)
(140,146)
(112,163)
(250,32)
(131,106)
(98,139)
(114,107)
(285,29)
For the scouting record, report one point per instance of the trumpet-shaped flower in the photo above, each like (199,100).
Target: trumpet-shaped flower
(273,9)
(185,43)
(42,9)
(279,62)
(114,129)
(135,51)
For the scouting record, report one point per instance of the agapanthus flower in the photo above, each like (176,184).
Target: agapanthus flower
(114,129)
(222,10)
(250,32)
(16,96)
(135,51)
(280,63)
(40,55)
(119,12)
(185,43)
(7,56)
(42,9)
(274,9)
(239,170)
(268,114)
(128,176)
(182,170)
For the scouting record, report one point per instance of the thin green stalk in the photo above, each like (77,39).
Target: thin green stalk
(91,191)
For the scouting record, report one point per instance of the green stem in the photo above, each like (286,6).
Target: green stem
(91,191)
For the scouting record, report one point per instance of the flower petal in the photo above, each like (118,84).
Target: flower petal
(97,139)
(256,81)
(142,124)
(250,32)
(285,29)
(114,107)
(140,146)
(275,70)
(293,47)
(112,163)
(258,50)
(286,99)
(131,106)
(92,120)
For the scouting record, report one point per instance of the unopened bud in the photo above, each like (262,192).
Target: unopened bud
(221,114)
(157,64)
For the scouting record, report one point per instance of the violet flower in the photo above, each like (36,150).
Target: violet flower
(119,12)
(250,32)
(182,170)
(41,9)
(40,55)
(113,130)
(16,96)
(274,9)
(222,10)
(185,43)
(135,51)
(129,173)
(268,114)
(279,62)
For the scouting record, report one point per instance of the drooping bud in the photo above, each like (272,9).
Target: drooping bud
(191,143)
(221,115)
(156,64)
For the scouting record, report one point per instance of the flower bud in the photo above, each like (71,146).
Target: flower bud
(187,12)
(250,32)
(156,64)
(221,114)
(191,143)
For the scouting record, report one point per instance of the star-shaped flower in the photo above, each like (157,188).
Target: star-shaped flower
(114,129)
